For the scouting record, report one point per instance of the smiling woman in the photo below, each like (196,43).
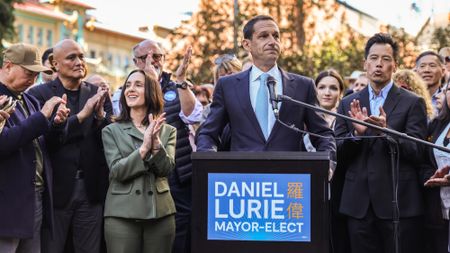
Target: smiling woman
(140,152)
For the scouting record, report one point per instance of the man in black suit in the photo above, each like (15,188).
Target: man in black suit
(368,190)
(242,100)
(80,173)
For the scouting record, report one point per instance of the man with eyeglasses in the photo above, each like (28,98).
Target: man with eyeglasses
(26,199)
(182,109)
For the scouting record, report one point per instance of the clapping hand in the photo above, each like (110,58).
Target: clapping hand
(63,112)
(440,178)
(93,104)
(151,135)
(356,112)
(4,114)
(157,123)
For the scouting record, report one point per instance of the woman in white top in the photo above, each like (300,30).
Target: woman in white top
(437,182)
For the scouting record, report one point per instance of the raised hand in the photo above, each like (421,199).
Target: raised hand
(49,106)
(358,113)
(63,112)
(182,69)
(149,69)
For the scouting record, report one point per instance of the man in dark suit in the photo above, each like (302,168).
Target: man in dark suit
(80,173)
(242,101)
(368,191)
(25,170)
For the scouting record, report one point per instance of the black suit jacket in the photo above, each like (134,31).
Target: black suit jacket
(76,146)
(231,104)
(433,211)
(368,164)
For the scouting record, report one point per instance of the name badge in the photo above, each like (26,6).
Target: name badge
(170,96)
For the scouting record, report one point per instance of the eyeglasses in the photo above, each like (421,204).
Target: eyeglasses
(224,58)
(156,57)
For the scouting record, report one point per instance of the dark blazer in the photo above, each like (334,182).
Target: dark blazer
(18,170)
(368,164)
(433,212)
(231,104)
(76,146)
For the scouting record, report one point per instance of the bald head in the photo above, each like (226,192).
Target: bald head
(145,47)
(63,45)
(68,60)
(98,81)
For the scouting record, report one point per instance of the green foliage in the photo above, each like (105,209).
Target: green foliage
(6,22)
(441,37)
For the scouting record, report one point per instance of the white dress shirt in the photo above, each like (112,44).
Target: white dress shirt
(255,73)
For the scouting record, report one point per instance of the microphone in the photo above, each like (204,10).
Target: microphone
(273,95)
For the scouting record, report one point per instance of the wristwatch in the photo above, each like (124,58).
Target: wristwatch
(183,85)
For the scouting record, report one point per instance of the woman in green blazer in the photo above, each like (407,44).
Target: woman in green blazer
(140,151)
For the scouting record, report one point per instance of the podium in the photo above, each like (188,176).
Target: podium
(260,202)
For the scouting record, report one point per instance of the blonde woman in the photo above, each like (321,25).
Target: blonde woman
(411,81)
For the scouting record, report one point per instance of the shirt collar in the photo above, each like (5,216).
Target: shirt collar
(255,73)
(384,92)
(439,90)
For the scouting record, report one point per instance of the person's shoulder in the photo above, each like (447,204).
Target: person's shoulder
(298,77)
(114,127)
(408,94)
(168,128)
(234,78)
(349,98)
(42,86)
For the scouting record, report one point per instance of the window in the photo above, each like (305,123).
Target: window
(20,32)
(30,36)
(40,36)
(49,38)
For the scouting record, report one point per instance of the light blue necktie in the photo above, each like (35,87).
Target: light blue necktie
(262,105)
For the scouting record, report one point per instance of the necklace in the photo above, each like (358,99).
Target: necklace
(139,126)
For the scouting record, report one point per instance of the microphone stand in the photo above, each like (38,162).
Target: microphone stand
(393,151)
(391,132)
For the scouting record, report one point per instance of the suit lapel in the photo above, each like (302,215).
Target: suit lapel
(129,129)
(391,101)
(288,89)
(364,100)
(242,91)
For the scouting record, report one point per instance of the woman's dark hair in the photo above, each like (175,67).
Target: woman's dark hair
(153,99)
(444,114)
(332,73)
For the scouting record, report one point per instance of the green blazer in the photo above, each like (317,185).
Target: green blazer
(138,188)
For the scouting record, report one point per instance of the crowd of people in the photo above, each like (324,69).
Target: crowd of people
(85,169)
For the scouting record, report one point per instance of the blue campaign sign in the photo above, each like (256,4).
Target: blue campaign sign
(259,207)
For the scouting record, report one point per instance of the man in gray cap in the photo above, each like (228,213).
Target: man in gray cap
(25,171)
